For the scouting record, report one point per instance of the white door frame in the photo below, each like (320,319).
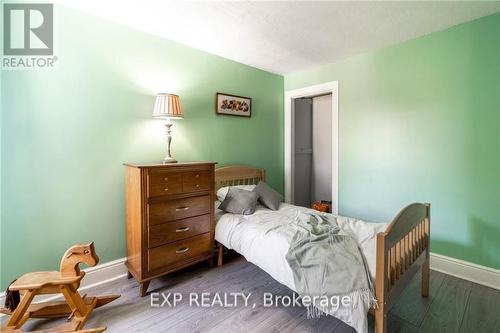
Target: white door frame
(318,89)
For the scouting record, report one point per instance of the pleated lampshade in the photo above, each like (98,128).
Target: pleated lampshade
(167,106)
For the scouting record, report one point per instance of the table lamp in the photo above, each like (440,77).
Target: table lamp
(168,107)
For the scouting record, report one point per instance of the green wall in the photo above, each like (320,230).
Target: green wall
(66,132)
(420,121)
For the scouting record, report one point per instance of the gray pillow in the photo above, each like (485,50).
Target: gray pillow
(239,201)
(267,196)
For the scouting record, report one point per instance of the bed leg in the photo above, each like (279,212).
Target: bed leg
(425,279)
(380,319)
(381,283)
(219,255)
(426,264)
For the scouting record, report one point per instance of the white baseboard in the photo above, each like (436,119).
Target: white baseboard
(104,273)
(94,276)
(486,276)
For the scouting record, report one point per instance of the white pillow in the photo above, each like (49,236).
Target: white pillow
(222,192)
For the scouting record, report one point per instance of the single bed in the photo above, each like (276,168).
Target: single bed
(394,252)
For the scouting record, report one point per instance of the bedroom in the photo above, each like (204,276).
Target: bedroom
(415,119)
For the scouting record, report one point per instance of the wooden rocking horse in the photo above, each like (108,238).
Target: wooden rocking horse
(66,281)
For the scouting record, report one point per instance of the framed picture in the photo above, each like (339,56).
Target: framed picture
(233,105)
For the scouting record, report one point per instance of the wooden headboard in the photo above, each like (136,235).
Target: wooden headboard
(238,175)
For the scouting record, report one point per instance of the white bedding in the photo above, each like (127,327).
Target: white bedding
(263,238)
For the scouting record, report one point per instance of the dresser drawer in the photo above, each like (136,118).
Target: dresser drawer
(195,181)
(163,183)
(173,231)
(178,209)
(174,253)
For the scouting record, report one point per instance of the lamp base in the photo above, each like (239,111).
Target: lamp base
(169,160)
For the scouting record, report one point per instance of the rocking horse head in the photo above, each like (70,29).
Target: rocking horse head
(79,253)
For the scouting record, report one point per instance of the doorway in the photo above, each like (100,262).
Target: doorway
(313,150)
(311,145)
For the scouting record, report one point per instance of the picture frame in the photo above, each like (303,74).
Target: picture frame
(233,105)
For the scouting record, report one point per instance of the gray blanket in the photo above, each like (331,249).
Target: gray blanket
(330,265)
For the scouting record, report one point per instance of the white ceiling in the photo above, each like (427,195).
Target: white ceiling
(283,37)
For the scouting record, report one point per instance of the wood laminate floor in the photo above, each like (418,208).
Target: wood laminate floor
(454,305)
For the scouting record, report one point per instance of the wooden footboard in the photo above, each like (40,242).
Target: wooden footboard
(402,250)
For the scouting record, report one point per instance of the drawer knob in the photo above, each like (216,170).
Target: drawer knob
(182,229)
(166,178)
(197,185)
(166,189)
(197,175)
(181,209)
(182,250)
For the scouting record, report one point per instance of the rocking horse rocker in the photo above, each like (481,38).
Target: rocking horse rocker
(66,281)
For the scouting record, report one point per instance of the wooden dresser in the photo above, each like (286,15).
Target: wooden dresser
(169,218)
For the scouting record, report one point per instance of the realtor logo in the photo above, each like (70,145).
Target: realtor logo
(28,29)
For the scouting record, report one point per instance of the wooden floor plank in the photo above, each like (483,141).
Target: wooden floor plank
(411,306)
(398,325)
(446,311)
(483,311)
